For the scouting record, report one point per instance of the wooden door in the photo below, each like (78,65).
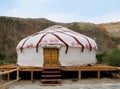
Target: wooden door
(51,57)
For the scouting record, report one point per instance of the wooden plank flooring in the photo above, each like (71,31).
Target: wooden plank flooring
(70,68)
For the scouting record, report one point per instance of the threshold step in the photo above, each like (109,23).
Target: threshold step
(51,68)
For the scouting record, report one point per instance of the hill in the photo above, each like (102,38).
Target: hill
(12,30)
(113,29)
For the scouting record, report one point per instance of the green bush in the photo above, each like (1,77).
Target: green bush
(112,58)
(2,56)
(100,56)
(8,61)
(3,60)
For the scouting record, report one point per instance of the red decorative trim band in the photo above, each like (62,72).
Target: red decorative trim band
(75,39)
(39,42)
(23,45)
(89,44)
(62,41)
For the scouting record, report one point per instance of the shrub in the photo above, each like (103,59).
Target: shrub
(112,58)
(100,56)
(8,61)
(2,56)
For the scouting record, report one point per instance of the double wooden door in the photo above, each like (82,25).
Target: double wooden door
(51,57)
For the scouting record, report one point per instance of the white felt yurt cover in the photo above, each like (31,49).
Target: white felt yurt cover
(74,49)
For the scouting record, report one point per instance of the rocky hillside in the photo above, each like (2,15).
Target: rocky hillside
(113,29)
(12,30)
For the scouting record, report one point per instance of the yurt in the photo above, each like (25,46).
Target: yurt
(56,46)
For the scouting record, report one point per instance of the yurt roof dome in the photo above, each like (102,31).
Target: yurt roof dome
(57,35)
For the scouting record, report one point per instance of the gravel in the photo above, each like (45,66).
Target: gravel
(68,84)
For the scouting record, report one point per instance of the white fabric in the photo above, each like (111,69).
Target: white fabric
(74,57)
(29,57)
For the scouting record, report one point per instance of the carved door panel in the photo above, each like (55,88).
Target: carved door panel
(51,57)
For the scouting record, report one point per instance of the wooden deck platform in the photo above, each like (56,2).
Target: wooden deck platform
(97,67)
(22,68)
(70,68)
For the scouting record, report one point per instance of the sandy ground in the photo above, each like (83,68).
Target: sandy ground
(104,83)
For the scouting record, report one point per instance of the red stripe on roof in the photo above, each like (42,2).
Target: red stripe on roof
(83,37)
(40,41)
(89,44)
(27,39)
(75,39)
(62,41)
(23,45)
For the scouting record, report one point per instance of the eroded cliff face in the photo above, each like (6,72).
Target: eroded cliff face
(113,29)
(12,30)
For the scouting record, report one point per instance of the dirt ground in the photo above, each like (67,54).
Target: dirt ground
(90,83)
